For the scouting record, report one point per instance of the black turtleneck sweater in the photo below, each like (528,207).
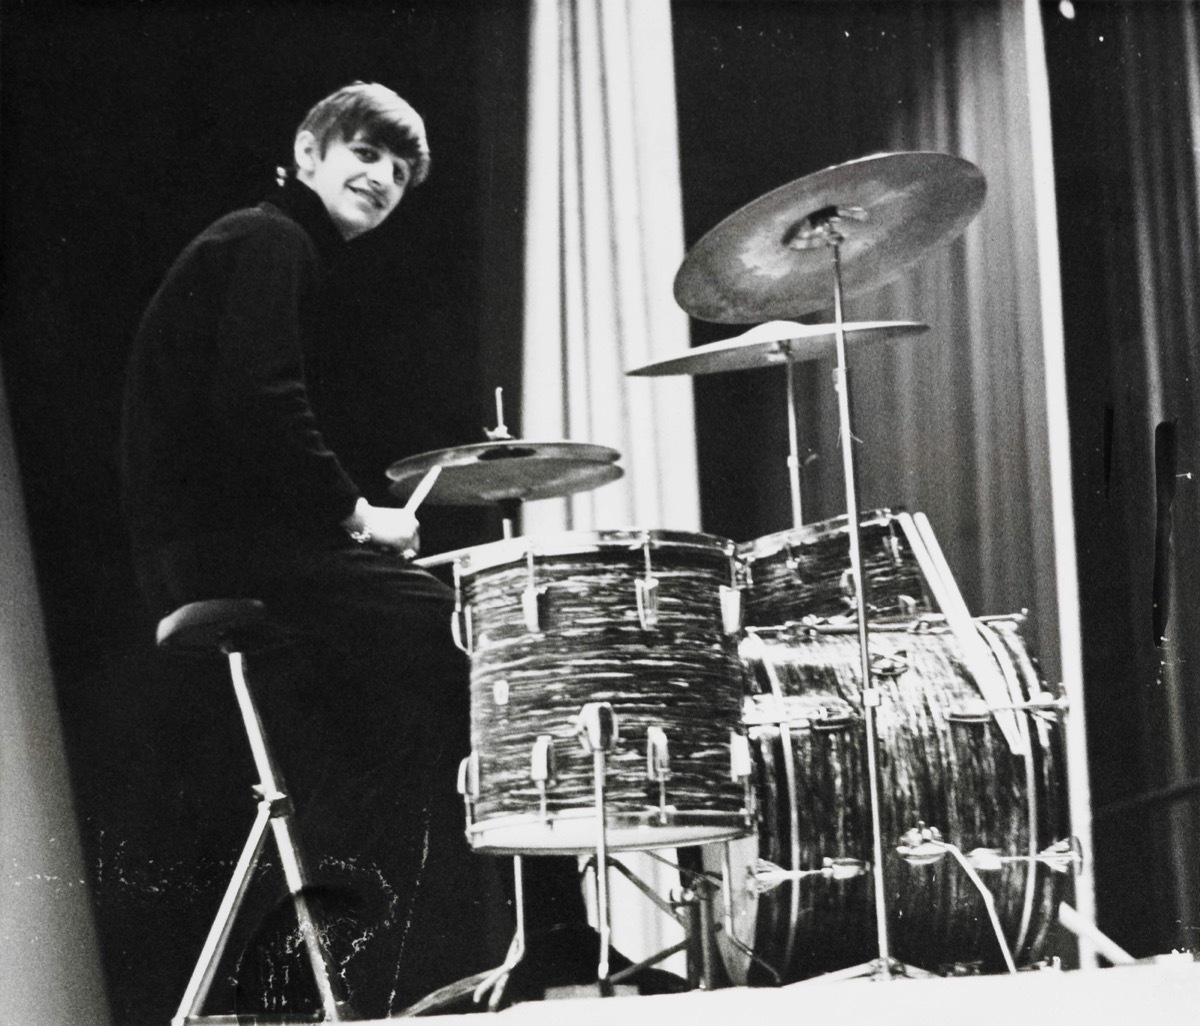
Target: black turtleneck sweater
(219,433)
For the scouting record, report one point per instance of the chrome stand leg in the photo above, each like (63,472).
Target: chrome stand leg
(274,808)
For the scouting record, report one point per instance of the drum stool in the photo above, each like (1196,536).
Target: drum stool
(235,628)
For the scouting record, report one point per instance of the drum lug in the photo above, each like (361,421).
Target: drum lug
(824,723)
(658,766)
(741,770)
(889,664)
(468,777)
(731,609)
(846,585)
(1061,857)
(765,876)
(460,619)
(922,846)
(543,769)
(976,711)
(740,764)
(596,727)
(468,785)
(891,545)
(461,629)
(534,605)
(907,606)
(647,602)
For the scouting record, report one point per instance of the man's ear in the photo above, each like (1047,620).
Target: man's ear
(306,152)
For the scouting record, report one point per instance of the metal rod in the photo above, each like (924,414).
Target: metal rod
(273,792)
(793,442)
(603,910)
(205,972)
(870,696)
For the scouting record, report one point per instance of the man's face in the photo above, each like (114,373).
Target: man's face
(359,182)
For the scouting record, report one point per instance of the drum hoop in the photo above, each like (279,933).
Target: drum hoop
(770,544)
(715,824)
(927,623)
(578,543)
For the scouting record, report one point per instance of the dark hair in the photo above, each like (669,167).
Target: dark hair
(380,115)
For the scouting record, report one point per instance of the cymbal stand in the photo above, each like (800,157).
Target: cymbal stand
(821,229)
(510,509)
(597,732)
(793,439)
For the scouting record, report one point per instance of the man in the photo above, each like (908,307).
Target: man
(231,489)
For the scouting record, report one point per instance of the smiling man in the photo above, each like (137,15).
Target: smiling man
(231,490)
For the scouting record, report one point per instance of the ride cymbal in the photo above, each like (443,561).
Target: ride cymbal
(773,343)
(501,471)
(770,260)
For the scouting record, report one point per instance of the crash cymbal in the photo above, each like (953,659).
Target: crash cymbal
(770,344)
(771,259)
(514,469)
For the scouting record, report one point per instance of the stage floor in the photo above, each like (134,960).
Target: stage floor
(1167,991)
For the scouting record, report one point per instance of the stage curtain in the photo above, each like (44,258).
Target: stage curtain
(604,238)
(953,423)
(1162,115)
(1126,90)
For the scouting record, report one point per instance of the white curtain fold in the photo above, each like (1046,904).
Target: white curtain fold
(604,238)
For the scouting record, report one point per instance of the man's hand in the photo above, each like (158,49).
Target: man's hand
(383,525)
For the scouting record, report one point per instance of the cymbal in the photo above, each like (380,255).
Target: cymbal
(513,469)
(770,344)
(771,259)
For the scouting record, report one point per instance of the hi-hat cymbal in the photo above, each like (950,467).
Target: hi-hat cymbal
(770,344)
(771,259)
(514,469)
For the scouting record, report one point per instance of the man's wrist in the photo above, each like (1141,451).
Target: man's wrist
(355,525)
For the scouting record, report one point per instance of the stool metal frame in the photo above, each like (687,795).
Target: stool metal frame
(219,624)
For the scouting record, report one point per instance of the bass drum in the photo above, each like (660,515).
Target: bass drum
(943,764)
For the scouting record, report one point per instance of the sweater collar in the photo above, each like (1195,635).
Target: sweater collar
(304,206)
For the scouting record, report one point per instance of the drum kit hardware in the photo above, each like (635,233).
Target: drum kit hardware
(772,710)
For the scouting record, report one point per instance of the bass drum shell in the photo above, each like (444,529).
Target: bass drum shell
(805,572)
(681,674)
(941,764)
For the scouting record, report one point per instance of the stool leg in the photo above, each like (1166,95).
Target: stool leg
(289,853)
(218,935)
(274,809)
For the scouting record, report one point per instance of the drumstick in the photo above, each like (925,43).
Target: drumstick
(424,486)
(979,658)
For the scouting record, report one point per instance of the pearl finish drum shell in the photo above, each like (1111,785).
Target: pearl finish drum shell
(803,572)
(681,674)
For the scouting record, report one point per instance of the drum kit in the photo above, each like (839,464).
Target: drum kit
(857,775)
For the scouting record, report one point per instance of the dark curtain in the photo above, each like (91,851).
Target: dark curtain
(951,423)
(126,128)
(1125,92)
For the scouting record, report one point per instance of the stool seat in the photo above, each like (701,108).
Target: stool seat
(221,625)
